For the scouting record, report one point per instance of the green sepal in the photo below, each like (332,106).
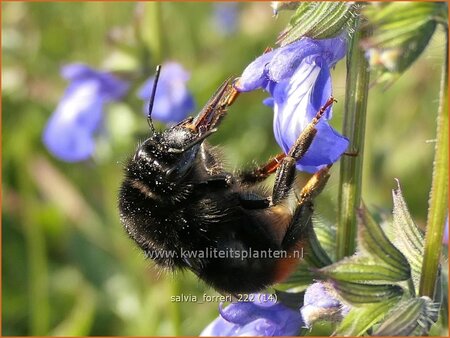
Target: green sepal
(362,269)
(359,320)
(410,317)
(409,238)
(326,235)
(401,31)
(318,20)
(357,294)
(373,241)
(316,256)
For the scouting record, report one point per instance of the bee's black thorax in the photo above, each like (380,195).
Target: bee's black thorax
(162,214)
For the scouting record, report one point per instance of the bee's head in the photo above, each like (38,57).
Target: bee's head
(170,154)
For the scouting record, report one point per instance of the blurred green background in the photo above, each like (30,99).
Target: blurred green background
(67,266)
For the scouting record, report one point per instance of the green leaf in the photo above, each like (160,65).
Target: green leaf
(357,294)
(359,320)
(318,20)
(373,241)
(410,317)
(408,236)
(362,269)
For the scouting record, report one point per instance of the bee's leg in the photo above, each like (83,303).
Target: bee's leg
(297,227)
(260,173)
(300,225)
(285,174)
(301,220)
(314,186)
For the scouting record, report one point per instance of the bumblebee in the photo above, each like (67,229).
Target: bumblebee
(186,211)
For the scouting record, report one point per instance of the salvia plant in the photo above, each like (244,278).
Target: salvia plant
(362,274)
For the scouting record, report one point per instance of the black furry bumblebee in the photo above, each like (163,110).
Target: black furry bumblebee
(185,211)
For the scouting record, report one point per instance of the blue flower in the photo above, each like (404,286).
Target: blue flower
(298,78)
(70,130)
(225,16)
(263,317)
(320,303)
(173,101)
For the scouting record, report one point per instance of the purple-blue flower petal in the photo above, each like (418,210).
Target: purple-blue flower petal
(334,49)
(225,16)
(326,148)
(77,71)
(286,60)
(69,131)
(320,303)
(173,101)
(259,318)
(297,101)
(280,64)
(317,294)
(111,87)
(255,75)
(269,102)
(72,145)
(260,327)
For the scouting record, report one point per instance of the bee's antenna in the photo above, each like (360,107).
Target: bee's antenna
(152,99)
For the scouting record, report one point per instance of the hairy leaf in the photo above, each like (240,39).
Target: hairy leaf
(359,320)
(408,236)
(410,317)
(373,241)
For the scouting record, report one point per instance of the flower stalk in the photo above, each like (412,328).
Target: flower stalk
(357,85)
(439,192)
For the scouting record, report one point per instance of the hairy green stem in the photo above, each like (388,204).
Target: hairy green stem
(357,86)
(439,193)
